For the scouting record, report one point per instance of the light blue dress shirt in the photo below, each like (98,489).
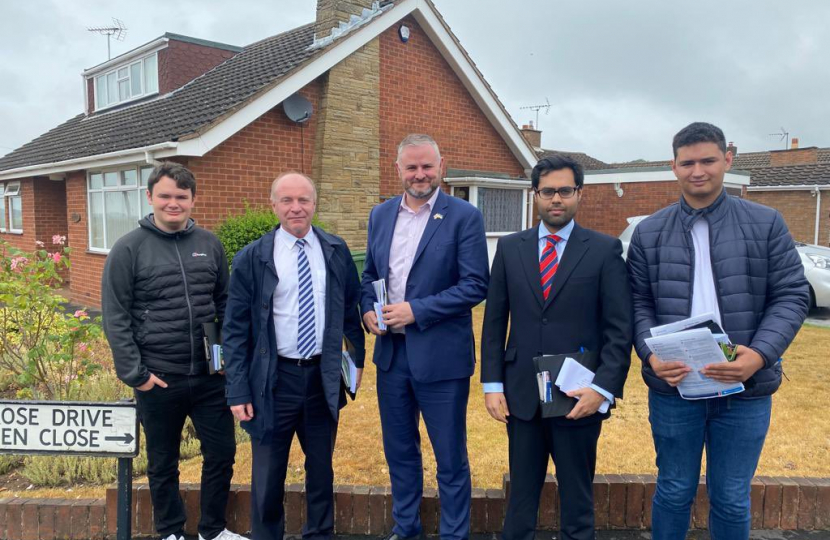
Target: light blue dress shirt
(564,233)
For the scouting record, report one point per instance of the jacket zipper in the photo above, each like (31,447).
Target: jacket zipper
(189,308)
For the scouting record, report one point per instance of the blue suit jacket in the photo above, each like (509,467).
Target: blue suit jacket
(449,277)
(249,341)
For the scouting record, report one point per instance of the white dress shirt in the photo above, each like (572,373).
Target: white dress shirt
(704,294)
(286,304)
(409,228)
(564,233)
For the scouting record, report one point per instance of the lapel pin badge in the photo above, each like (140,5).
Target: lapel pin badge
(438,216)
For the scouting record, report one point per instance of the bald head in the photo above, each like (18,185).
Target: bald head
(294,201)
(292,177)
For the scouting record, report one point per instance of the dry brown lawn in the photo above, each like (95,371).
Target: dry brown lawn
(798,443)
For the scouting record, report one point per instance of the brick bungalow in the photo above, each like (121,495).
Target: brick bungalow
(371,73)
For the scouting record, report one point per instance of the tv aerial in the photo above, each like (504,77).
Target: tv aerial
(117,31)
(784,134)
(538,108)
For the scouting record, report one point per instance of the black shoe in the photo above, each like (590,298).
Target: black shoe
(396,536)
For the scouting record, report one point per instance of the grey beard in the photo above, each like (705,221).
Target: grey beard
(414,194)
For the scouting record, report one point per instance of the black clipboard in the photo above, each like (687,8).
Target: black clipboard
(561,404)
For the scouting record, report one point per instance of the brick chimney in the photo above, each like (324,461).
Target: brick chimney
(332,12)
(346,163)
(532,136)
(732,148)
(794,144)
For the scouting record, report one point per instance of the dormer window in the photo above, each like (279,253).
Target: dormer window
(127,82)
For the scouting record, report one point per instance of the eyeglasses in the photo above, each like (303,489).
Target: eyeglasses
(548,193)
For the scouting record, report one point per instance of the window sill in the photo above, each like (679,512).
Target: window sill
(11,231)
(93,251)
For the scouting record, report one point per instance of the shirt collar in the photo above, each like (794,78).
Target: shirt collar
(430,204)
(564,233)
(289,239)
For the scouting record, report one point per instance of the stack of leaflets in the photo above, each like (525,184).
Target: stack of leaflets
(697,342)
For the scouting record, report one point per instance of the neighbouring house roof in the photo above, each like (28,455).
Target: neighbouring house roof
(815,174)
(173,116)
(588,163)
(195,118)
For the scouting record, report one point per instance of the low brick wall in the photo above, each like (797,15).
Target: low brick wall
(622,502)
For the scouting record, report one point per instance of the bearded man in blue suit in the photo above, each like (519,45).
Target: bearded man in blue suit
(432,251)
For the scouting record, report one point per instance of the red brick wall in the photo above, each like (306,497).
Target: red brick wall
(181,62)
(799,211)
(242,168)
(90,95)
(419,93)
(85,273)
(601,209)
(799,156)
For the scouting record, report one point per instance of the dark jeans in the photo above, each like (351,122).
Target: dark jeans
(162,412)
(732,429)
(300,407)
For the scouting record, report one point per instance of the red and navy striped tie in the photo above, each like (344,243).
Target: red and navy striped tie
(549,263)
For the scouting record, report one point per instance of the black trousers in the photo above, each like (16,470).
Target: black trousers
(299,407)
(574,452)
(162,412)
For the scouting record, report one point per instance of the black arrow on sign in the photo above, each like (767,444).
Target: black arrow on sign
(126,439)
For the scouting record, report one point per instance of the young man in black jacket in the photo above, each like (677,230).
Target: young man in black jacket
(161,282)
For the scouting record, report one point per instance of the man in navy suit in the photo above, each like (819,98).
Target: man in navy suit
(293,297)
(431,250)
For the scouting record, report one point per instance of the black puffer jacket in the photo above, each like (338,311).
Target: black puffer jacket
(763,295)
(158,288)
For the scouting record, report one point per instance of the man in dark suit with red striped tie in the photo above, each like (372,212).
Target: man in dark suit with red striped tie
(562,289)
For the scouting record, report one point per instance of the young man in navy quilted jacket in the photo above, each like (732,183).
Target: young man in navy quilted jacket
(713,253)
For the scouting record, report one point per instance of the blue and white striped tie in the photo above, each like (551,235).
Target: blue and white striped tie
(306,329)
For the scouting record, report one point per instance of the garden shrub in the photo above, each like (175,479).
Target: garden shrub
(44,348)
(238,231)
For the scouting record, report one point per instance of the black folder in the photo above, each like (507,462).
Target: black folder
(561,404)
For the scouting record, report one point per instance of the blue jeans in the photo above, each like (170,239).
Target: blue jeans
(732,430)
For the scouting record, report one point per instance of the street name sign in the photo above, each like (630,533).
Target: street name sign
(69,427)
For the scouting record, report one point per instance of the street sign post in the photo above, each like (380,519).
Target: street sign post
(81,428)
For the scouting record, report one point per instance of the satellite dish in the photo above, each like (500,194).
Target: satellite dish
(297,108)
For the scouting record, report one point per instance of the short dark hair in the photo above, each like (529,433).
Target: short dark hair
(699,132)
(175,171)
(556,163)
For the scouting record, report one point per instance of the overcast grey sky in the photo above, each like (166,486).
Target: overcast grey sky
(621,77)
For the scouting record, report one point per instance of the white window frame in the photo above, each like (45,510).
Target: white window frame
(128,79)
(11,192)
(473,183)
(2,207)
(107,189)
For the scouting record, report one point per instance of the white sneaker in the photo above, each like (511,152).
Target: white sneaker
(173,537)
(224,535)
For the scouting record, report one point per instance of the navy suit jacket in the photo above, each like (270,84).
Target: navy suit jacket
(249,341)
(448,278)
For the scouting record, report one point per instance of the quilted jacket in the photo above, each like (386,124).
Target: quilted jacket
(763,295)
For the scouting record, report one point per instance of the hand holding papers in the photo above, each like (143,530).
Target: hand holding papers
(380,294)
(575,376)
(693,343)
